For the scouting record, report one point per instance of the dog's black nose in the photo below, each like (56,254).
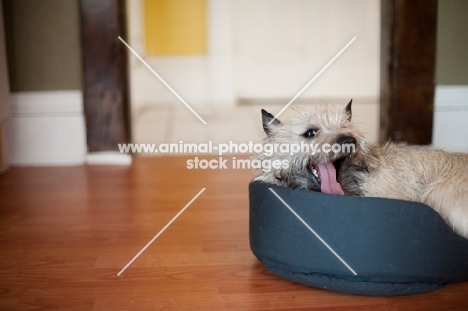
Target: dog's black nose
(346,140)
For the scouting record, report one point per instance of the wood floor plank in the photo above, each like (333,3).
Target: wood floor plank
(66,232)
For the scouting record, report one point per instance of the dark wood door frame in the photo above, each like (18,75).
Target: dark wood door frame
(408,49)
(105,87)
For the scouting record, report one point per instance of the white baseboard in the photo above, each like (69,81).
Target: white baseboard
(108,158)
(451,98)
(47,102)
(450,128)
(46,128)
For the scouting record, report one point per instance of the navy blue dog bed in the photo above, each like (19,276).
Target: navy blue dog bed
(357,245)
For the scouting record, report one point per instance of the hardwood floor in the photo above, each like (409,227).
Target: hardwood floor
(66,233)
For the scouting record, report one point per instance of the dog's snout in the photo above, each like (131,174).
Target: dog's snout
(346,140)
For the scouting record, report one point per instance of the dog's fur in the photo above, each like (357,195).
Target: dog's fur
(434,177)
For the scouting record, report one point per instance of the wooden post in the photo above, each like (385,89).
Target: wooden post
(408,49)
(105,74)
(4,96)
(3,150)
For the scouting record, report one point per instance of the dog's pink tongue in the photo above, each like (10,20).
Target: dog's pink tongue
(327,175)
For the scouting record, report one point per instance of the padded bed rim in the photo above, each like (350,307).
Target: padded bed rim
(384,241)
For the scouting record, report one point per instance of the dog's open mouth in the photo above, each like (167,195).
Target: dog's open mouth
(324,176)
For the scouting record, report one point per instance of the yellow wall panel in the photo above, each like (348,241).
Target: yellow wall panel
(175,27)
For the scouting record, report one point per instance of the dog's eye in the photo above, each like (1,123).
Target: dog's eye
(310,133)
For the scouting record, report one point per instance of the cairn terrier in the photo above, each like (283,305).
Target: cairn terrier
(325,162)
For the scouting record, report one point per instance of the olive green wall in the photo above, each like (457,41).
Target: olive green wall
(43,44)
(452,43)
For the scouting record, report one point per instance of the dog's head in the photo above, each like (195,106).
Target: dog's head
(322,140)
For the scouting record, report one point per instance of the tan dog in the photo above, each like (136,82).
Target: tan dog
(434,177)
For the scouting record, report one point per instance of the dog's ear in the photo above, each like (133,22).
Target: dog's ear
(348,111)
(266,119)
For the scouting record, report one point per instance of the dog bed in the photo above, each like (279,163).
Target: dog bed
(357,245)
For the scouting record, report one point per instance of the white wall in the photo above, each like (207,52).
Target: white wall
(263,49)
(258,50)
(284,44)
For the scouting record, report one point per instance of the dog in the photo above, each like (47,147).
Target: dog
(393,170)
(310,167)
